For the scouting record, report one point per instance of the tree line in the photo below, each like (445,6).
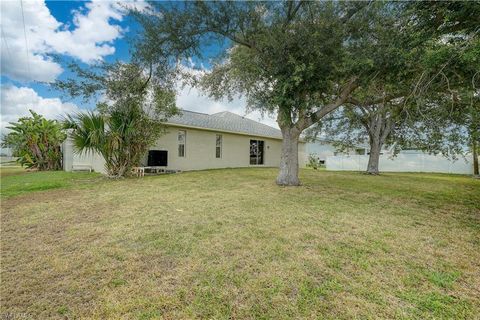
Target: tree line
(402,73)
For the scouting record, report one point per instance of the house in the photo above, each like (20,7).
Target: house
(196,141)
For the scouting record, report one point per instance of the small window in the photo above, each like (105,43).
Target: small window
(218,146)
(182,134)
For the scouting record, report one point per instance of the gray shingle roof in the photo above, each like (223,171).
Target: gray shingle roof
(225,121)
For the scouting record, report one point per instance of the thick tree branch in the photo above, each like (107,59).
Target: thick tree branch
(145,83)
(387,128)
(291,11)
(364,119)
(319,114)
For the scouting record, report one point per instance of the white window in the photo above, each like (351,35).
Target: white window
(182,137)
(218,146)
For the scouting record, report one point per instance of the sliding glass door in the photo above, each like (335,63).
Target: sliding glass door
(256,152)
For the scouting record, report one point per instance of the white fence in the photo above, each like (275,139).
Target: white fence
(403,163)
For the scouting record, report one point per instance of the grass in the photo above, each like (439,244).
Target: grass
(226,244)
(11,170)
(12,184)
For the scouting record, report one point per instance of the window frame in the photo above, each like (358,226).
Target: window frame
(259,155)
(218,146)
(184,143)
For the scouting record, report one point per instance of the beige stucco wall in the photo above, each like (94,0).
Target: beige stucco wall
(200,150)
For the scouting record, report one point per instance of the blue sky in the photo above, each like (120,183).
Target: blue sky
(86,32)
(64,13)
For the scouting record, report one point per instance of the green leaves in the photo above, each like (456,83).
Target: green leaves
(282,56)
(122,129)
(36,142)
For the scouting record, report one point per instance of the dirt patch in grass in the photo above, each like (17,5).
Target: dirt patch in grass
(34,197)
(231,244)
(11,170)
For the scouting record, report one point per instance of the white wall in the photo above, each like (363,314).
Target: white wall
(321,149)
(199,151)
(324,149)
(418,162)
(72,159)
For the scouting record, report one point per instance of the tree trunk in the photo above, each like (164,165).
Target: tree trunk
(378,128)
(374,158)
(288,175)
(475,157)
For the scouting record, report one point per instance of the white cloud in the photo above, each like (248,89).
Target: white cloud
(193,99)
(89,40)
(16,102)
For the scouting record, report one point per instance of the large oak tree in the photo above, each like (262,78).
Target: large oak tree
(300,60)
(427,97)
(378,111)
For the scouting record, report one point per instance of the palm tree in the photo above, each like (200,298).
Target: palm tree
(122,137)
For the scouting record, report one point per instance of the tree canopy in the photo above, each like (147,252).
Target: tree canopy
(450,83)
(391,66)
(427,101)
(300,60)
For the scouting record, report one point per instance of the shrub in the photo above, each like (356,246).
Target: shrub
(314,161)
(36,142)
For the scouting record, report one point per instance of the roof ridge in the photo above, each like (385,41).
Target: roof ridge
(244,117)
(226,111)
(182,110)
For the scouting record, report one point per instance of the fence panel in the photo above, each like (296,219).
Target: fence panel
(402,163)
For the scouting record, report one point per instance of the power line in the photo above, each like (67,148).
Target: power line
(6,43)
(26,43)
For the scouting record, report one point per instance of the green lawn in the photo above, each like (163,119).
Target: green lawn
(13,184)
(226,244)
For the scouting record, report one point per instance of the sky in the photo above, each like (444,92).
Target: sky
(84,31)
